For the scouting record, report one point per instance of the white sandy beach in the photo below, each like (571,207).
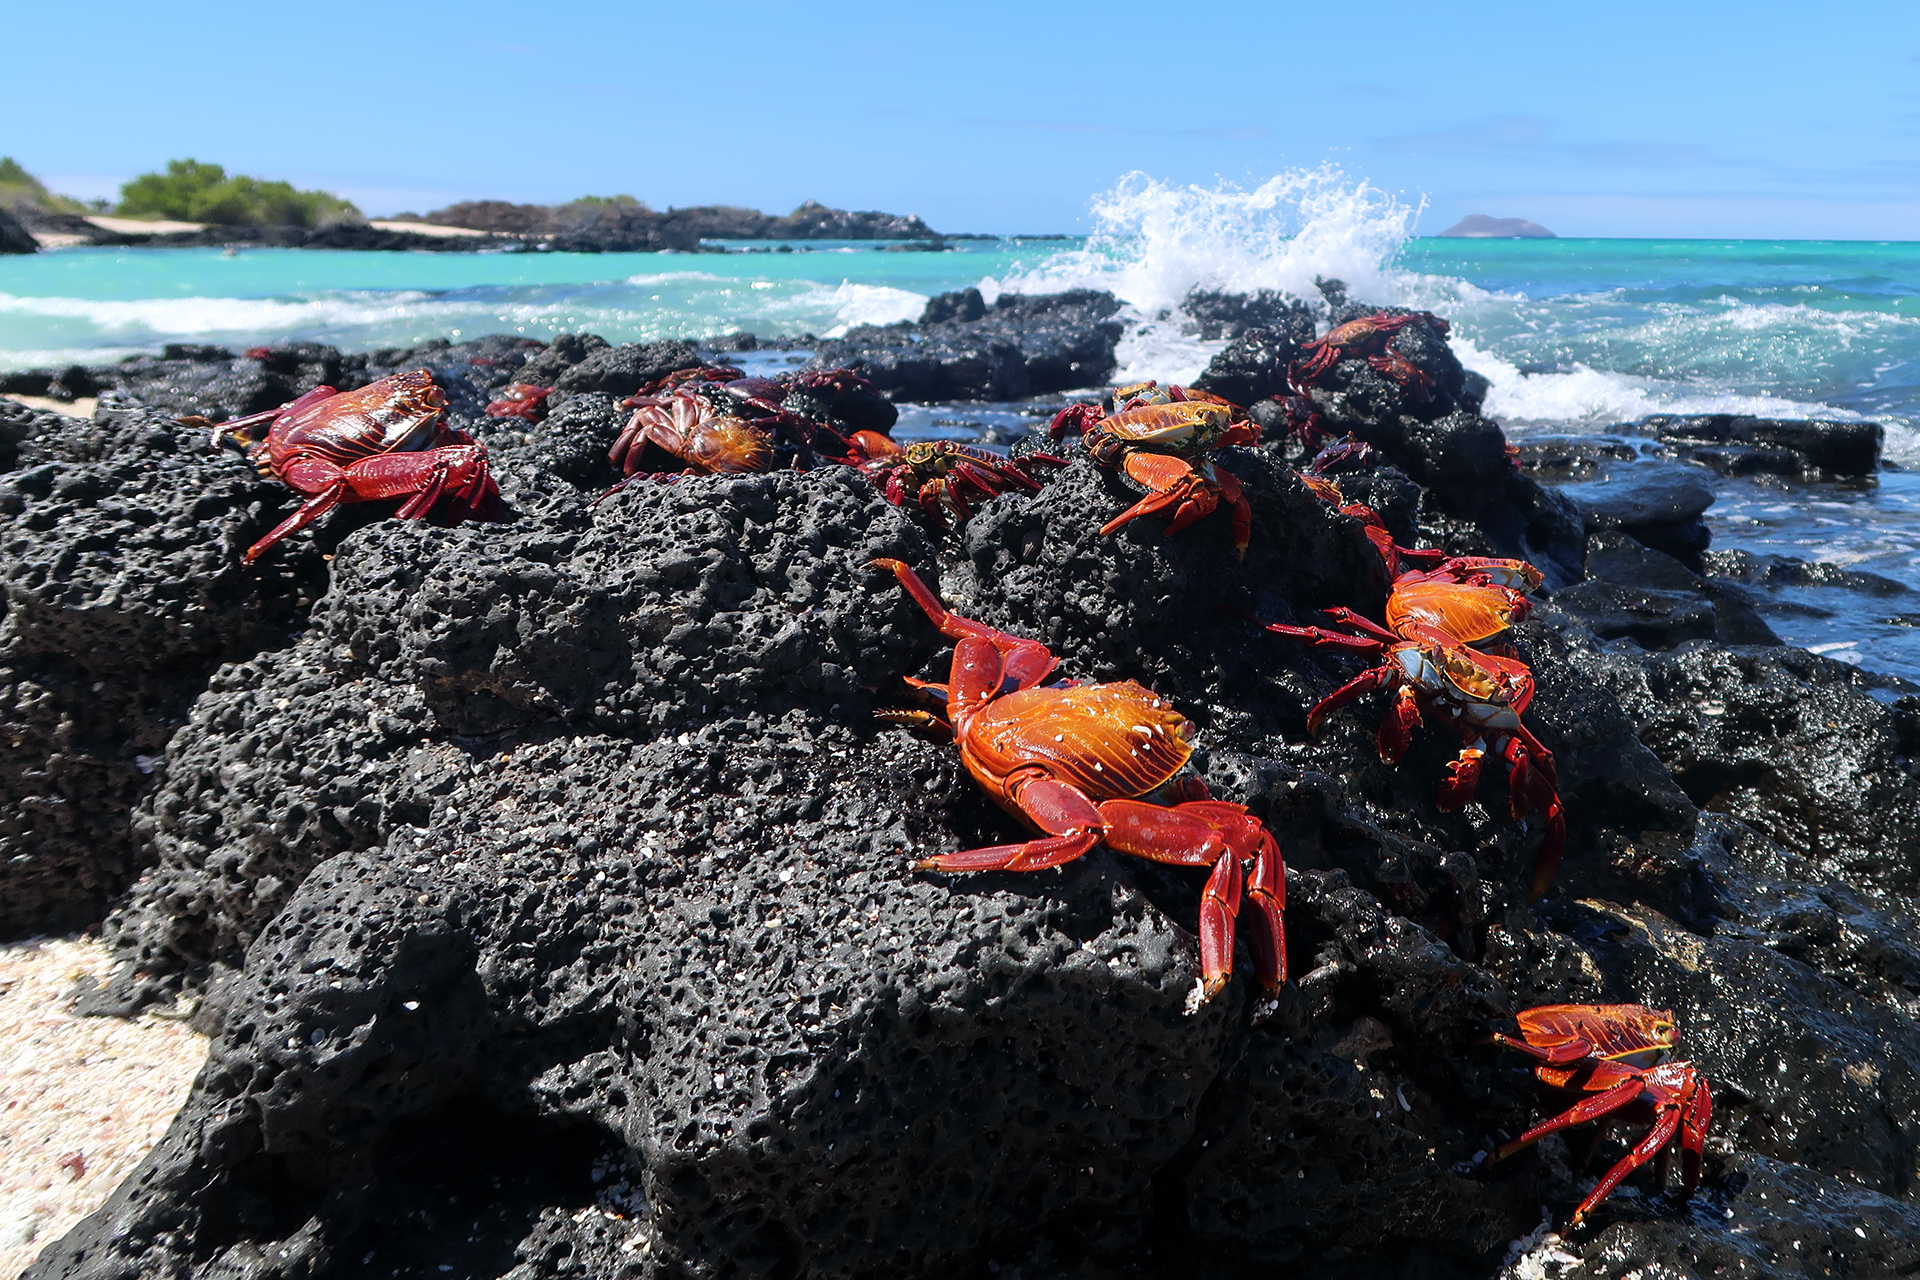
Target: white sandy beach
(81,1099)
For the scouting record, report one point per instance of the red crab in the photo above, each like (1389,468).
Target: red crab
(1367,337)
(1085,764)
(1618,1055)
(945,477)
(1432,667)
(1166,448)
(521,400)
(389,439)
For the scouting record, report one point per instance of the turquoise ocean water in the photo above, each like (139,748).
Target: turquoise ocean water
(1576,335)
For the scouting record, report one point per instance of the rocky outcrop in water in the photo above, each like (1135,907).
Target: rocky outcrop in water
(1479,226)
(962,349)
(545,885)
(627,226)
(15,238)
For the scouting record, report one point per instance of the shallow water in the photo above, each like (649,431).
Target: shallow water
(1576,335)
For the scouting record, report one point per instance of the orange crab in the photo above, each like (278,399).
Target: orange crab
(1432,665)
(1619,1055)
(1086,764)
(1164,441)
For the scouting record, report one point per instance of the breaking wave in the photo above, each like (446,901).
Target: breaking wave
(1154,242)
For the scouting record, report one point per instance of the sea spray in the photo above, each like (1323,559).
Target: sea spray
(1155,242)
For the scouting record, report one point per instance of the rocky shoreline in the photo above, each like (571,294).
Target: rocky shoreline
(543,884)
(495,226)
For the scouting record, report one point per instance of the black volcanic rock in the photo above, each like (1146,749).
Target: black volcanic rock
(1658,505)
(1739,444)
(123,590)
(1228,315)
(15,238)
(1024,345)
(624,369)
(546,885)
(1254,366)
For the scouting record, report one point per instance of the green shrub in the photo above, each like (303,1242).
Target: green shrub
(196,192)
(22,193)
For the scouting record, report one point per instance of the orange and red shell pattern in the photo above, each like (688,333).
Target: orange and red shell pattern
(1617,1059)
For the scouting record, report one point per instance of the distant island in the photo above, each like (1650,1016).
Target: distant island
(1478,226)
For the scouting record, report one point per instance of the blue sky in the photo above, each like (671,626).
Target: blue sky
(1632,119)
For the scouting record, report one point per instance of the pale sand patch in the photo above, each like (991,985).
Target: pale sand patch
(81,1099)
(58,239)
(142,227)
(80,408)
(425,228)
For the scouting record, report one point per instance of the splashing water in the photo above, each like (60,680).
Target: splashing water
(1154,242)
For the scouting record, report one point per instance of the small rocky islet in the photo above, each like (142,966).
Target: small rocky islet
(544,883)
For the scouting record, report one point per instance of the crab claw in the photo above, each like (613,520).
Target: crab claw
(1075,419)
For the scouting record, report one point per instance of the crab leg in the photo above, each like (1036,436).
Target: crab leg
(1593,1108)
(1365,626)
(1555,1055)
(1027,661)
(1240,513)
(1643,1151)
(1695,1122)
(1462,780)
(1321,638)
(1267,891)
(1366,682)
(1530,786)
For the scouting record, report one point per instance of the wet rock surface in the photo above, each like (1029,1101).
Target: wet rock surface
(545,883)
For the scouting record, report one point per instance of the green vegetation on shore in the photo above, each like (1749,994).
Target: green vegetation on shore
(22,193)
(196,192)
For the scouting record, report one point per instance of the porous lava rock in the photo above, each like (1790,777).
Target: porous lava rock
(1475,502)
(122,589)
(1024,345)
(546,887)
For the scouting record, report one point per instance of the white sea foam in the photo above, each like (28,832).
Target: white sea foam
(845,305)
(186,316)
(1154,242)
(1584,396)
(672,277)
